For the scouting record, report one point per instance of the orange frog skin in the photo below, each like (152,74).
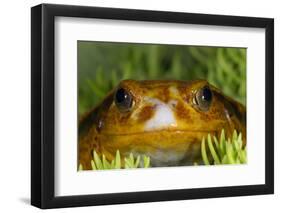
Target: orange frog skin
(165,120)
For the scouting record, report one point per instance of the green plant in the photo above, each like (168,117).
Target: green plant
(102,65)
(101,163)
(224,151)
(132,162)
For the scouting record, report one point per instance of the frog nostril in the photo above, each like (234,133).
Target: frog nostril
(99,125)
(173,103)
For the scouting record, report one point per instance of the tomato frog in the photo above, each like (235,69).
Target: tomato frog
(163,119)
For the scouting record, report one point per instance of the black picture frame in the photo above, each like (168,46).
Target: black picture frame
(43,102)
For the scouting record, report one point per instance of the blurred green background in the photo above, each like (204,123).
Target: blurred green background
(102,65)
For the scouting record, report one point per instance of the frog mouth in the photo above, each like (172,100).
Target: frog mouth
(161,139)
(166,131)
(164,147)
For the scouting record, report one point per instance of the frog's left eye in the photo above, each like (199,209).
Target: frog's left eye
(203,98)
(123,100)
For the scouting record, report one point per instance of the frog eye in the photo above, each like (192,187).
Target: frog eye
(203,98)
(123,100)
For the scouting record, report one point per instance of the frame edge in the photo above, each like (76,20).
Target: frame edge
(269,116)
(36,86)
(42,125)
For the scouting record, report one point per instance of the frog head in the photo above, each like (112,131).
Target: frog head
(165,120)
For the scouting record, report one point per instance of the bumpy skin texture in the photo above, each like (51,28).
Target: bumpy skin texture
(164,122)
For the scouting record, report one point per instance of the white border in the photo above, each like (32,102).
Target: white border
(70,182)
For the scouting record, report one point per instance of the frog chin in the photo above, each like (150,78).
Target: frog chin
(162,158)
(166,158)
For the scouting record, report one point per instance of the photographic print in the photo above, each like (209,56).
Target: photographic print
(160,105)
(148,100)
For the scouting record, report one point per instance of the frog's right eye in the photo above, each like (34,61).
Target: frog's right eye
(203,98)
(123,100)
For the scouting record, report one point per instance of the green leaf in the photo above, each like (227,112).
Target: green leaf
(146,161)
(212,150)
(93,165)
(243,156)
(216,144)
(128,164)
(97,161)
(204,153)
(137,162)
(117,160)
(106,164)
(131,158)
(114,78)
(222,142)
(98,91)
(239,141)
(229,152)
(80,168)
(236,145)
